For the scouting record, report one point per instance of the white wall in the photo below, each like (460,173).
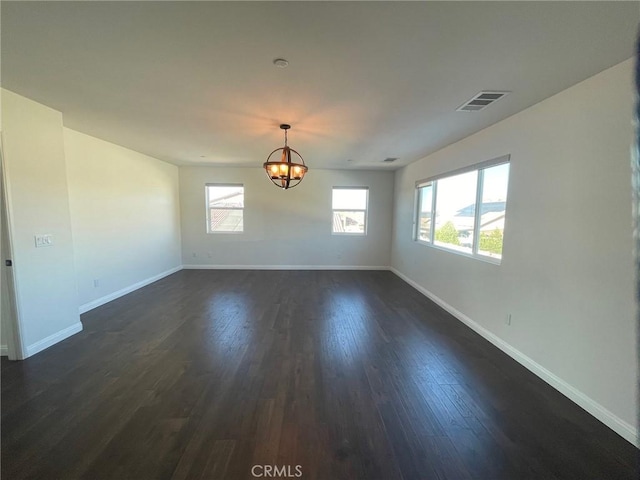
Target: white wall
(286,228)
(39,204)
(567,273)
(124,215)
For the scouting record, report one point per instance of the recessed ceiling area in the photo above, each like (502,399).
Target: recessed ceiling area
(194,82)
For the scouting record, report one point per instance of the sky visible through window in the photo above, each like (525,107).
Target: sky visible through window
(349,199)
(496,181)
(456,193)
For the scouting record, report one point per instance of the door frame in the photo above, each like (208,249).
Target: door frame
(15,345)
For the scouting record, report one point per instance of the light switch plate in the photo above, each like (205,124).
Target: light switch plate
(44,240)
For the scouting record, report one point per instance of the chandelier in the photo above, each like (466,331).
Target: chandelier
(285,173)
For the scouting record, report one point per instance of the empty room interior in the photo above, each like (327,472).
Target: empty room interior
(319,240)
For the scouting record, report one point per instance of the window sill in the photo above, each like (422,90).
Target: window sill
(476,256)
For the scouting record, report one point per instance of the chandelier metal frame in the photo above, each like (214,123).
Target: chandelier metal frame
(285,173)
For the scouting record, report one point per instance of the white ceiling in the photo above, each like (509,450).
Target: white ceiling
(194,83)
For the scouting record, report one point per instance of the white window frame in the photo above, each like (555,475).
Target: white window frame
(366,211)
(433,181)
(418,202)
(208,209)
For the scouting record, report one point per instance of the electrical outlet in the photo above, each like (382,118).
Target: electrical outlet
(194,254)
(96,282)
(507,320)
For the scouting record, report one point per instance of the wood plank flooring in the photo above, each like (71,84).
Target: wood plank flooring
(348,375)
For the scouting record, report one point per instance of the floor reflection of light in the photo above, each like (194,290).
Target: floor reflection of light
(431,361)
(229,327)
(347,327)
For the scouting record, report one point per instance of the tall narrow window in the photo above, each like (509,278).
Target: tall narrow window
(425,207)
(225,208)
(493,207)
(455,211)
(465,211)
(350,210)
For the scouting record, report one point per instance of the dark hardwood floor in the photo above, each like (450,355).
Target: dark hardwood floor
(350,375)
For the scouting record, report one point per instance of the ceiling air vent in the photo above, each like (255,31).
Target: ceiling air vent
(389,160)
(481,101)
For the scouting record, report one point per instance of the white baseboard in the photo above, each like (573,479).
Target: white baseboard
(4,351)
(53,339)
(112,296)
(622,428)
(283,267)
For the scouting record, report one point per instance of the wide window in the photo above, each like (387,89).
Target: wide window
(350,210)
(225,208)
(465,211)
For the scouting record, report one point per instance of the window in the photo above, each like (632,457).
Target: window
(493,205)
(350,210)
(465,211)
(456,212)
(225,207)
(425,205)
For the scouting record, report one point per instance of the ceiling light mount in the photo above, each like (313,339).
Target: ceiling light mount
(280,63)
(285,173)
